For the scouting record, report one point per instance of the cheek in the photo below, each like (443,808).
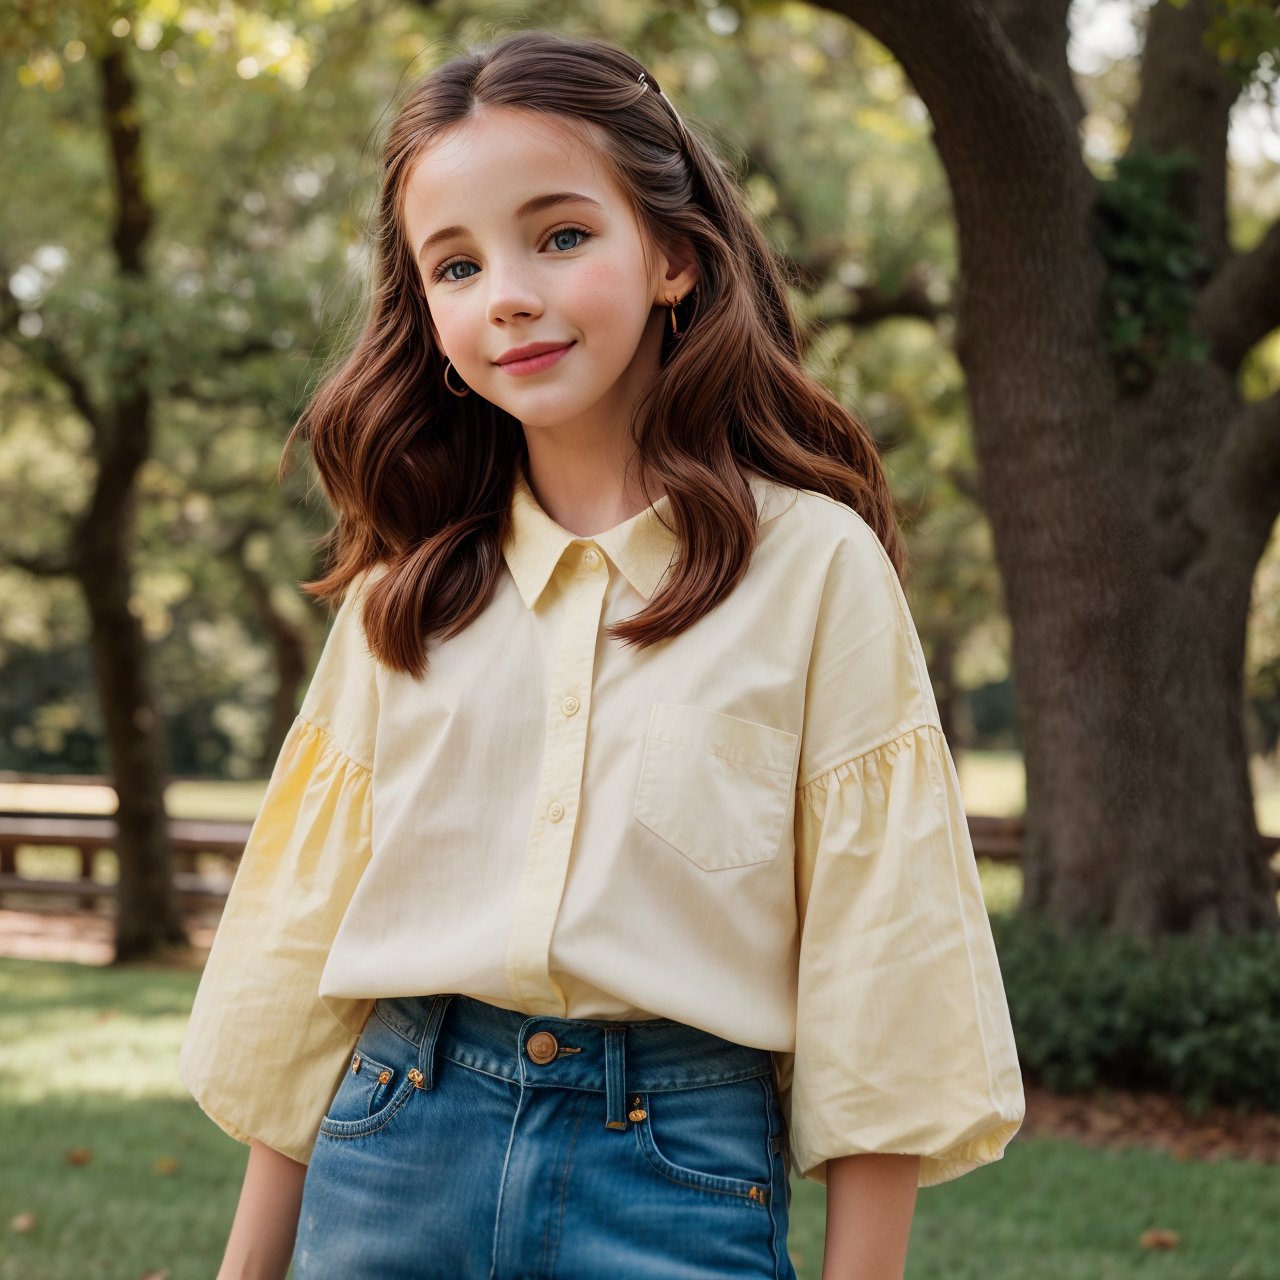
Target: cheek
(612,291)
(453,320)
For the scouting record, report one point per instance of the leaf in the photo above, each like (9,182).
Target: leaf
(1159,1238)
(78,1155)
(22,1222)
(165,1166)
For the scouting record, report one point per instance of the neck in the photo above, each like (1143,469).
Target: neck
(586,490)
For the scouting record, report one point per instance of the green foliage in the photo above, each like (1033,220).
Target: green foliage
(1199,1017)
(1244,36)
(1153,265)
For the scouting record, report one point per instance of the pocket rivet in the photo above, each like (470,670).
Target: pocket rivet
(355,1064)
(416,1076)
(636,1115)
(384,1076)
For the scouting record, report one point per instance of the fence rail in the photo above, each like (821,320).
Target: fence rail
(997,838)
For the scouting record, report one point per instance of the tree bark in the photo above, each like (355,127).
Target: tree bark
(1127,527)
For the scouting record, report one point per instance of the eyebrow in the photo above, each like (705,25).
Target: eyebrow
(536,205)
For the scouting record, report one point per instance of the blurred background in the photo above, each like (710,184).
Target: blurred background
(1035,246)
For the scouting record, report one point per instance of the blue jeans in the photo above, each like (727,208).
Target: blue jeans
(469,1142)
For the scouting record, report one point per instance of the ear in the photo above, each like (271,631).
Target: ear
(675,272)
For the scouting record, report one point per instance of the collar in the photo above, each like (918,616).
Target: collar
(642,547)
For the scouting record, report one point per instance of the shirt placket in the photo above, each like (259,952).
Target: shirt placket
(556,809)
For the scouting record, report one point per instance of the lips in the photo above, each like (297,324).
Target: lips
(534,358)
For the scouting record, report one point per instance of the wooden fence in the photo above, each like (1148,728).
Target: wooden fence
(999,839)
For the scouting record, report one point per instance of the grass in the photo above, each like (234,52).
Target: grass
(88,1060)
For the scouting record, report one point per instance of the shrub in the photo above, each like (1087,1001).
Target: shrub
(1196,1016)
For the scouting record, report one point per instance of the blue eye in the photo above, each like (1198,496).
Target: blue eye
(440,272)
(568,231)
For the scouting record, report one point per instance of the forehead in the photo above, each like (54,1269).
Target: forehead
(498,157)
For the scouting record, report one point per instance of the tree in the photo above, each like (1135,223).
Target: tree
(1131,488)
(150,344)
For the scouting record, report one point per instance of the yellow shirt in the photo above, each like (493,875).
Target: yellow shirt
(754,828)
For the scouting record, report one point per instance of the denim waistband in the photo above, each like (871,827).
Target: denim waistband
(537,1050)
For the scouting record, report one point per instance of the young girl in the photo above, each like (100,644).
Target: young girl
(615,865)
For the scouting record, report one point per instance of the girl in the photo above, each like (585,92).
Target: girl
(615,865)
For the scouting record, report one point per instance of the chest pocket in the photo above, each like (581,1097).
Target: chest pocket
(715,787)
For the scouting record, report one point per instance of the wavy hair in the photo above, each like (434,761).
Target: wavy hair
(421,480)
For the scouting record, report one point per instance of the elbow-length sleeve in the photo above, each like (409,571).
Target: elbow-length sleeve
(903,1039)
(262,1053)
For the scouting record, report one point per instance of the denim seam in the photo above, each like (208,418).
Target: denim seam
(394,1105)
(551,1249)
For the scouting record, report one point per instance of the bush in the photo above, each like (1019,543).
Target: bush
(1197,1017)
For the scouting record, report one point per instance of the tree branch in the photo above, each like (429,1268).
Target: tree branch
(1022,195)
(969,74)
(871,304)
(1039,31)
(46,353)
(43,565)
(1184,101)
(1241,304)
(1246,478)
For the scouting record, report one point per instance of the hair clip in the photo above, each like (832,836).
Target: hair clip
(641,79)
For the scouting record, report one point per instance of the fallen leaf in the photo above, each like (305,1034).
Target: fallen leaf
(22,1222)
(162,1274)
(1159,1238)
(79,1155)
(165,1165)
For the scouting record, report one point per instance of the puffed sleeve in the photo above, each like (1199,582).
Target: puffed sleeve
(262,1054)
(903,1040)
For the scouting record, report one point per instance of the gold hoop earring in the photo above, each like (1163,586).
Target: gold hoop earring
(466,390)
(674,302)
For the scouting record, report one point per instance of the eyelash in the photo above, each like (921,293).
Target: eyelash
(439,273)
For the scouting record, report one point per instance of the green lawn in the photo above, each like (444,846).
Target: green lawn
(87,1060)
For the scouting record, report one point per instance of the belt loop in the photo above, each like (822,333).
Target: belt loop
(615,1084)
(431,1033)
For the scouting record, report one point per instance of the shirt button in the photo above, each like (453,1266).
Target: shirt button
(570,705)
(555,811)
(589,557)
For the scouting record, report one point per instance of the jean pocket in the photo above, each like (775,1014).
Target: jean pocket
(383,1074)
(716,787)
(715,1138)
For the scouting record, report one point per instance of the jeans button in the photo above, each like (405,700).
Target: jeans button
(542,1046)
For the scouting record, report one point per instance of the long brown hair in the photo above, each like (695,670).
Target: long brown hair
(421,480)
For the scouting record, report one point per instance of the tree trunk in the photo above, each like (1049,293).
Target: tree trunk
(148,916)
(1127,527)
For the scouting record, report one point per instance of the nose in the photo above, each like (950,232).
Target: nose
(512,295)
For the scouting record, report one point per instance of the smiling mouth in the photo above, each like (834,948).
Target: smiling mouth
(536,364)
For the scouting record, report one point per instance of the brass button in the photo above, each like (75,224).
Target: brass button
(384,1076)
(417,1077)
(637,1114)
(542,1046)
